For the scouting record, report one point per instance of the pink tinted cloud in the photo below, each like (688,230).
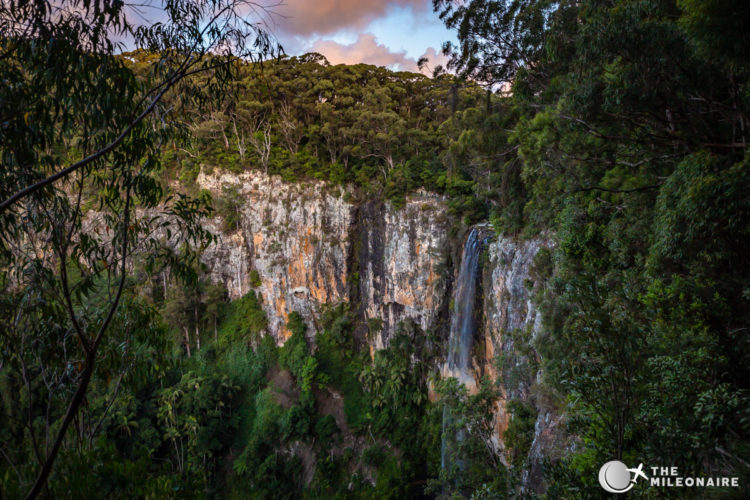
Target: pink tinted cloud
(435,58)
(366,49)
(306,17)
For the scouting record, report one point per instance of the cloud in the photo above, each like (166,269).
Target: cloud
(366,49)
(435,58)
(308,17)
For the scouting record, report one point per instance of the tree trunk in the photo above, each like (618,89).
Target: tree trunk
(197,331)
(75,403)
(226,139)
(187,340)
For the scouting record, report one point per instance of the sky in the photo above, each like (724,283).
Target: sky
(392,33)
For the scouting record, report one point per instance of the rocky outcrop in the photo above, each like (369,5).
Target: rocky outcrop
(291,238)
(506,351)
(306,246)
(402,264)
(509,312)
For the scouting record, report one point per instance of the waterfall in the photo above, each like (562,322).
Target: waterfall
(463,327)
(463,322)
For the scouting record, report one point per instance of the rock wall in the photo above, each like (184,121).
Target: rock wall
(512,322)
(294,236)
(305,242)
(402,264)
(508,310)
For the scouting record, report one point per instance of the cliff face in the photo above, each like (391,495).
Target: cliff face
(510,319)
(512,322)
(294,236)
(402,264)
(306,243)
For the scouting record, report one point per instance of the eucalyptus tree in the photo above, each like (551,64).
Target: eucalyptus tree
(82,131)
(496,39)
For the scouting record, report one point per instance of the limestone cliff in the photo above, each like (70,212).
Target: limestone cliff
(512,323)
(402,271)
(294,236)
(306,242)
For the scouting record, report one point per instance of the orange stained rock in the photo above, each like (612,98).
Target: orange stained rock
(318,291)
(489,356)
(297,270)
(431,276)
(307,245)
(502,419)
(432,395)
(404,297)
(279,305)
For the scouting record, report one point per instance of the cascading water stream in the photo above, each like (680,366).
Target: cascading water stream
(463,328)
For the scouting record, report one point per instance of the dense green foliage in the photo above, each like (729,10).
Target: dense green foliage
(469,464)
(81,136)
(242,418)
(302,118)
(630,138)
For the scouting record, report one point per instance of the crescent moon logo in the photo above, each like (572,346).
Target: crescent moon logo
(614,477)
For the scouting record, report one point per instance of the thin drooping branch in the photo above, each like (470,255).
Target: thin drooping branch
(92,157)
(69,303)
(62,254)
(89,364)
(108,407)
(10,462)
